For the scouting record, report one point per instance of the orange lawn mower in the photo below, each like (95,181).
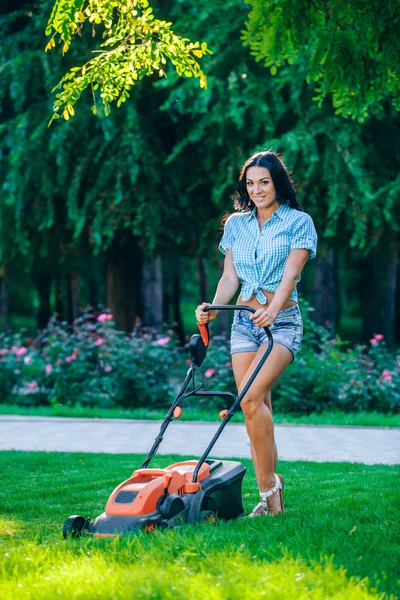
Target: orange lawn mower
(185,492)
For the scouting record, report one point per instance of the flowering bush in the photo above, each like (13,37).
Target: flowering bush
(92,365)
(95,365)
(328,375)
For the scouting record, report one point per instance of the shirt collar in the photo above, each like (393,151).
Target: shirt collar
(280,213)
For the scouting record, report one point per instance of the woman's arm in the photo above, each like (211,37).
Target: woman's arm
(294,265)
(226,289)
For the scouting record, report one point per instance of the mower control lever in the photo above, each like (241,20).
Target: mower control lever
(205,334)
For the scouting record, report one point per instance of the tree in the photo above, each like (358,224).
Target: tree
(63,201)
(135,44)
(155,177)
(352,49)
(347,173)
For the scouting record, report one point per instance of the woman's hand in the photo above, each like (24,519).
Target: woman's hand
(203,316)
(263,318)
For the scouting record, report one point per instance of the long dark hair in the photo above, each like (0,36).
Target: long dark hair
(284,186)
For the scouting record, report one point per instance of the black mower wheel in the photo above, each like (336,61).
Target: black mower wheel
(200,507)
(207,516)
(195,507)
(74,526)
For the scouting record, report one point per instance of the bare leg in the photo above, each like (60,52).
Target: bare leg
(268,403)
(241,363)
(259,423)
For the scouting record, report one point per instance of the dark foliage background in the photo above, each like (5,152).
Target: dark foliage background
(124,212)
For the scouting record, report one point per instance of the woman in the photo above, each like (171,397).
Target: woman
(266,246)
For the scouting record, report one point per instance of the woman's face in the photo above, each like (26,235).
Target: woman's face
(260,187)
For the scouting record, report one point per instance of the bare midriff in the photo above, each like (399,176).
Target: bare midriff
(254,303)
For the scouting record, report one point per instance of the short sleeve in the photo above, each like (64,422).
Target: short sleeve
(228,237)
(304,235)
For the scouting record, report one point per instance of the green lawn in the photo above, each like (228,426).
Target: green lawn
(372,419)
(338,539)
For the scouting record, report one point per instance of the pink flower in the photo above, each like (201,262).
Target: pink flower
(33,385)
(386,375)
(14,348)
(373,341)
(163,341)
(3,351)
(27,360)
(58,362)
(48,369)
(379,337)
(99,342)
(104,317)
(108,368)
(209,372)
(20,351)
(228,364)
(188,361)
(70,358)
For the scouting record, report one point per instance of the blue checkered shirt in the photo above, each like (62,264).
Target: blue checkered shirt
(260,256)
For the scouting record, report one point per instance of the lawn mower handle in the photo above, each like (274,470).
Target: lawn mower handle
(237,307)
(189,377)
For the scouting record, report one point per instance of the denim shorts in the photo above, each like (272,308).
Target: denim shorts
(287,330)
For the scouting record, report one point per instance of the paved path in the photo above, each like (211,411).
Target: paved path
(369,445)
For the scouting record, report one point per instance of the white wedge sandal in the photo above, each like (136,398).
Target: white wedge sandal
(262,509)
